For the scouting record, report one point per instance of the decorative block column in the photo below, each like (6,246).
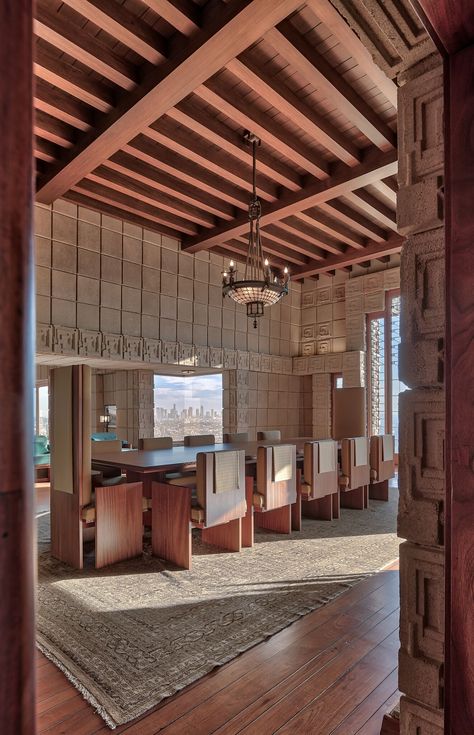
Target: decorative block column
(422,409)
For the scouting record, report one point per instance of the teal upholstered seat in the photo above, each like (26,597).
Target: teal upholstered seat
(103,436)
(41,455)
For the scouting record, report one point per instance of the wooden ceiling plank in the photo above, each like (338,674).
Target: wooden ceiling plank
(316,70)
(229,168)
(71,80)
(176,188)
(332,227)
(232,250)
(295,109)
(123,25)
(130,204)
(188,114)
(277,234)
(87,49)
(300,228)
(181,14)
(131,186)
(227,34)
(374,208)
(176,165)
(44,150)
(375,166)
(114,210)
(61,106)
(53,129)
(270,132)
(327,13)
(352,257)
(354,219)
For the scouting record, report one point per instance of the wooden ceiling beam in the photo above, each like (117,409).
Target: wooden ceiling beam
(53,130)
(132,187)
(239,253)
(375,166)
(181,14)
(388,190)
(183,193)
(285,253)
(175,165)
(195,118)
(69,79)
(130,204)
(114,210)
(287,239)
(124,26)
(311,234)
(61,106)
(88,49)
(224,100)
(316,70)
(352,257)
(327,13)
(373,207)
(331,226)
(295,109)
(354,219)
(45,150)
(228,33)
(216,161)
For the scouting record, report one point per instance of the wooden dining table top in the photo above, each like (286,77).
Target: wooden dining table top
(180,458)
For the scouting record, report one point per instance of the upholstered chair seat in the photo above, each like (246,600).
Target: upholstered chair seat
(269,436)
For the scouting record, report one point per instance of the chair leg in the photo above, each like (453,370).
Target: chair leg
(336,505)
(171,526)
(320,509)
(379,490)
(119,523)
(296,506)
(248,519)
(226,536)
(355,498)
(277,520)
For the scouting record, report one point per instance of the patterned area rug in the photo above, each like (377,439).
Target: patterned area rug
(139,631)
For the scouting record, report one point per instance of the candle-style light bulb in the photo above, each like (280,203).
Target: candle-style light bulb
(231,264)
(285,271)
(266,262)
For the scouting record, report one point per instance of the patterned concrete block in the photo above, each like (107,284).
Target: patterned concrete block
(418,720)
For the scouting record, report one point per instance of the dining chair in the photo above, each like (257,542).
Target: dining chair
(199,440)
(116,514)
(355,473)
(382,465)
(275,488)
(273,435)
(155,442)
(320,482)
(109,475)
(236,437)
(215,503)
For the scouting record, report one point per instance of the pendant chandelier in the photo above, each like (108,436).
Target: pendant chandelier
(259,287)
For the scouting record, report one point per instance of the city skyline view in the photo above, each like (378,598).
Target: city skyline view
(188,405)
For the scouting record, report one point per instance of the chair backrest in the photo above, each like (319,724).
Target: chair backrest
(98,448)
(40,445)
(276,475)
(269,436)
(320,467)
(103,436)
(382,458)
(355,461)
(220,485)
(155,442)
(235,438)
(349,412)
(199,440)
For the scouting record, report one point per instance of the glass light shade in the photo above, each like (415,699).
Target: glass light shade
(246,292)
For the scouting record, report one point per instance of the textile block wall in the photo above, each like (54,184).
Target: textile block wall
(422,409)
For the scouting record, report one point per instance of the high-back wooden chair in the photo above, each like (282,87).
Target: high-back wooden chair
(236,437)
(320,486)
(382,465)
(273,435)
(355,473)
(116,513)
(216,504)
(155,442)
(108,475)
(275,488)
(199,440)
(105,447)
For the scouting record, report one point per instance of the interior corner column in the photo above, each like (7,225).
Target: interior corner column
(17,560)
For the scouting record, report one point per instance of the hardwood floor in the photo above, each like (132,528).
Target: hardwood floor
(332,672)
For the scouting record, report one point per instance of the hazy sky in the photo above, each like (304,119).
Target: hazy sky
(195,391)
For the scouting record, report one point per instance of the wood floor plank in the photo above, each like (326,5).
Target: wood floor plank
(359,716)
(374,723)
(326,711)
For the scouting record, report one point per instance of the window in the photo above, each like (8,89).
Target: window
(338,381)
(188,405)
(383,336)
(42,409)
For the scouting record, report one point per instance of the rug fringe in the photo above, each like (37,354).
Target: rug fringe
(79,686)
